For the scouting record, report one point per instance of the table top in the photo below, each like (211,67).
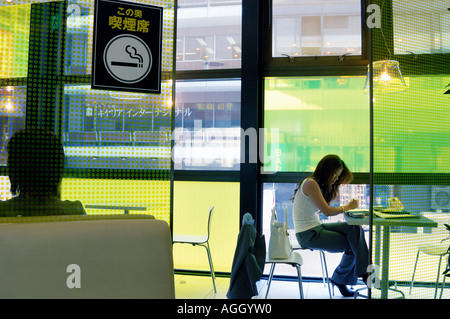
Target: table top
(115,206)
(416,221)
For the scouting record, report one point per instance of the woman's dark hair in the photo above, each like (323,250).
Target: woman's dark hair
(326,167)
(35,162)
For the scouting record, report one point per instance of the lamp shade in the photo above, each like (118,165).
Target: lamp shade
(387,77)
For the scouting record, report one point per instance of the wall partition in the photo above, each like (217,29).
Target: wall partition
(411,146)
(117,144)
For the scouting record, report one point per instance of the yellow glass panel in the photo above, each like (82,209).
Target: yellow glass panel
(154,195)
(191,206)
(5,194)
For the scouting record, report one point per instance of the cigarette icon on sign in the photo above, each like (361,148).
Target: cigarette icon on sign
(132,52)
(127,58)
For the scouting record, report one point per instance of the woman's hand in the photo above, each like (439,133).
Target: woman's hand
(354,203)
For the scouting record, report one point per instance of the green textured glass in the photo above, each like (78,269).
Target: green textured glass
(411,131)
(306,118)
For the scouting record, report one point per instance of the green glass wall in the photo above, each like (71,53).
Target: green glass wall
(306,118)
(411,146)
(411,131)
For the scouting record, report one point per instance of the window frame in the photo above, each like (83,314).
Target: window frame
(312,63)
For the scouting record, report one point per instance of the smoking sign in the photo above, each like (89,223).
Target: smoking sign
(127,47)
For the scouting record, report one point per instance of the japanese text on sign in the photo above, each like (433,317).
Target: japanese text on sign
(130,20)
(115,112)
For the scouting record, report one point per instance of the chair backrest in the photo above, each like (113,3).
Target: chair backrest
(210,221)
(116,258)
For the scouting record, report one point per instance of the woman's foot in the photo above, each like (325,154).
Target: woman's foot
(343,289)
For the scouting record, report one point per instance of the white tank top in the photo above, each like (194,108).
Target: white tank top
(304,211)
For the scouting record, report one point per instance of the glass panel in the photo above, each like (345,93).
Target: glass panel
(411,134)
(280,196)
(12,114)
(192,201)
(209,34)
(405,241)
(151,197)
(307,118)
(207,125)
(14,36)
(316,28)
(5,185)
(79,35)
(421,26)
(411,147)
(122,130)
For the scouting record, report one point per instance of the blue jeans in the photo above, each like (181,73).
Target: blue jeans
(336,238)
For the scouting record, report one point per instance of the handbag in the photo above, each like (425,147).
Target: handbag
(279,243)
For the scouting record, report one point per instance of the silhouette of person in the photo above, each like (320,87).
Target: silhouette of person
(35,166)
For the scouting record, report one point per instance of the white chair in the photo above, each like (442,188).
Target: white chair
(295,260)
(323,263)
(199,240)
(71,257)
(432,245)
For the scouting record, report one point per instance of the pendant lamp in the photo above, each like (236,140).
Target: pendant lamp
(387,77)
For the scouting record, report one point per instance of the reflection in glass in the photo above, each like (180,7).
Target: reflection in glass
(12,114)
(207,125)
(79,34)
(14,36)
(316,28)
(122,130)
(421,27)
(209,35)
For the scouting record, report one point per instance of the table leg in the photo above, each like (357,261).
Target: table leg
(385,263)
(377,245)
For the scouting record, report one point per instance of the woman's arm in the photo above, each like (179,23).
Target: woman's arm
(312,190)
